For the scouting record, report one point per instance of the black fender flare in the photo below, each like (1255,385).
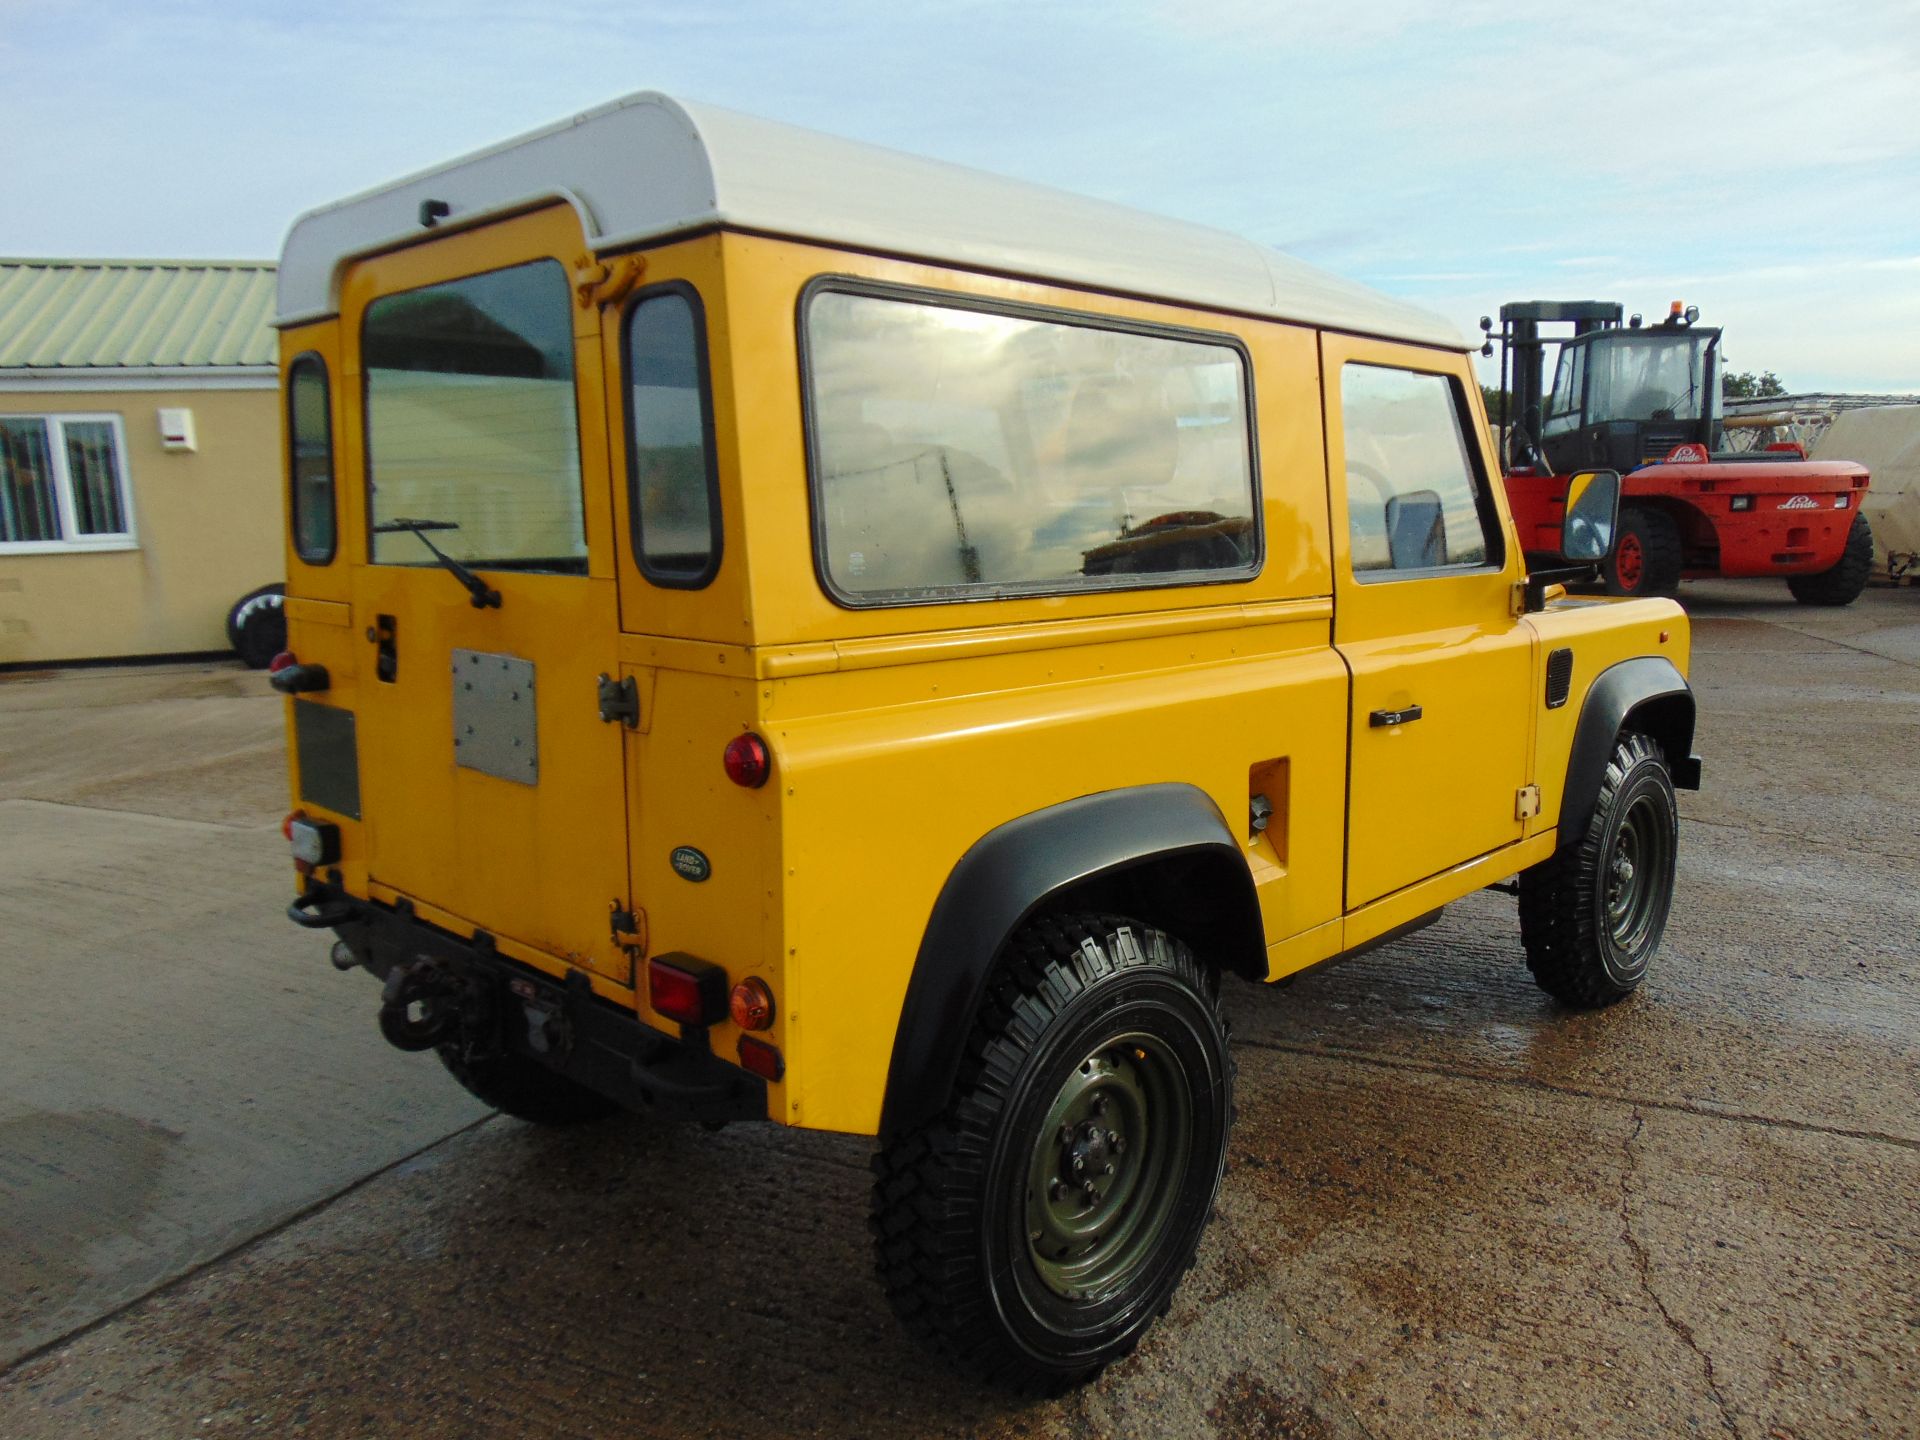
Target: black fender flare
(1648,689)
(1011,872)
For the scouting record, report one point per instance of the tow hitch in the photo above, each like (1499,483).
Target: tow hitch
(425,1004)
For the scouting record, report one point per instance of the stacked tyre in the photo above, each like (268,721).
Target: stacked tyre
(257,625)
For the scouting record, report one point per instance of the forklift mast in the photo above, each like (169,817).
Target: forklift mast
(1523,355)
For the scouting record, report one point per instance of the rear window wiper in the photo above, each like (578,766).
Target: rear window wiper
(484,595)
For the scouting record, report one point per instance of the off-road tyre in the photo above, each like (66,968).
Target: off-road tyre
(1647,556)
(1589,927)
(523,1088)
(1088,1020)
(1842,582)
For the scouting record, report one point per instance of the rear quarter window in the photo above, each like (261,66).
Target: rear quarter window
(960,452)
(674,486)
(310,460)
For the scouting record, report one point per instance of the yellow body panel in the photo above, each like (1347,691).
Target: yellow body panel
(901,735)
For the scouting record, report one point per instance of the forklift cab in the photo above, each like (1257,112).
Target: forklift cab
(1623,394)
(1623,397)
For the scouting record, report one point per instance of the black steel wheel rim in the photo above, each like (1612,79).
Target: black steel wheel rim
(1638,863)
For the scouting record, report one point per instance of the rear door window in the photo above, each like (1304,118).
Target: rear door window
(471,421)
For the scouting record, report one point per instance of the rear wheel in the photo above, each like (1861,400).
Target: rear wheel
(524,1088)
(1034,1231)
(1592,916)
(1842,583)
(1646,559)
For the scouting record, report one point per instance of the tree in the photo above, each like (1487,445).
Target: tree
(1746,385)
(1496,399)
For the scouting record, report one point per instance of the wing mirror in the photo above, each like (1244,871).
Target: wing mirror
(1416,531)
(1592,516)
(1592,520)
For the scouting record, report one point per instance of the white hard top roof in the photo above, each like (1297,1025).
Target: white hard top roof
(650,166)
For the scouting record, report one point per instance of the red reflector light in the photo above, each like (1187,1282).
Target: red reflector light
(761,1058)
(685,989)
(286,825)
(281,662)
(748,761)
(751,1004)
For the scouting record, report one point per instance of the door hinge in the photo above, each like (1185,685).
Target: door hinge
(627,926)
(1526,802)
(620,700)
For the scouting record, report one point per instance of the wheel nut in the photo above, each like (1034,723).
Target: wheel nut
(1057,1190)
(1066,1134)
(1099,1104)
(1113,1137)
(1088,1191)
(1079,1163)
(1120,1145)
(1108,1170)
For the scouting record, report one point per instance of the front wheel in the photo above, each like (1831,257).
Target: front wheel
(1034,1231)
(1647,556)
(1592,916)
(1842,582)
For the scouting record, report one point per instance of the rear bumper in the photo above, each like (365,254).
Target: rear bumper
(565,1027)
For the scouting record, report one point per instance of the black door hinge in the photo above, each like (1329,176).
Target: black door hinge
(620,700)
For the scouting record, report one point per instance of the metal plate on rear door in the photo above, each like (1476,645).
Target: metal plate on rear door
(493,727)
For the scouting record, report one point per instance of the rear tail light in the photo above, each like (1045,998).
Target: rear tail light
(280,662)
(751,1004)
(315,842)
(761,1059)
(748,761)
(690,991)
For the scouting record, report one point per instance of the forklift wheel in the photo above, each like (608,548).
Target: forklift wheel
(1842,583)
(1646,558)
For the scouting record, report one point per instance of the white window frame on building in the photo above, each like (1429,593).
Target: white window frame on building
(67,512)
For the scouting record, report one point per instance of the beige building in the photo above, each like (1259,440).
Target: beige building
(140,470)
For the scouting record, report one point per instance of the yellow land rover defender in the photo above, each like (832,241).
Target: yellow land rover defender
(783,630)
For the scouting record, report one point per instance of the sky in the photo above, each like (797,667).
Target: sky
(1760,160)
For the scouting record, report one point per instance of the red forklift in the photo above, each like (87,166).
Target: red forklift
(1645,400)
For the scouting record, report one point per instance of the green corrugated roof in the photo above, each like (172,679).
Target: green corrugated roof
(94,314)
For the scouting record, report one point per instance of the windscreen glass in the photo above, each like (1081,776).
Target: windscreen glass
(1646,376)
(471,421)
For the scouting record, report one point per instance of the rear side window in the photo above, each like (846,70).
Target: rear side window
(676,515)
(472,422)
(310,443)
(965,453)
(1415,501)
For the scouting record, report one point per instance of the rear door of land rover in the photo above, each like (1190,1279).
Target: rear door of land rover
(493,793)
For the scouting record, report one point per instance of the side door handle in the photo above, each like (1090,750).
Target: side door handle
(1379,718)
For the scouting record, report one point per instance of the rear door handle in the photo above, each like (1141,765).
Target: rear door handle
(1378,718)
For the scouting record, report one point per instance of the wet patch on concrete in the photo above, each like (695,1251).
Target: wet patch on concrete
(1250,1407)
(72,1185)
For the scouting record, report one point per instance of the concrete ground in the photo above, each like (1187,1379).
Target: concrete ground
(1452,1209)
